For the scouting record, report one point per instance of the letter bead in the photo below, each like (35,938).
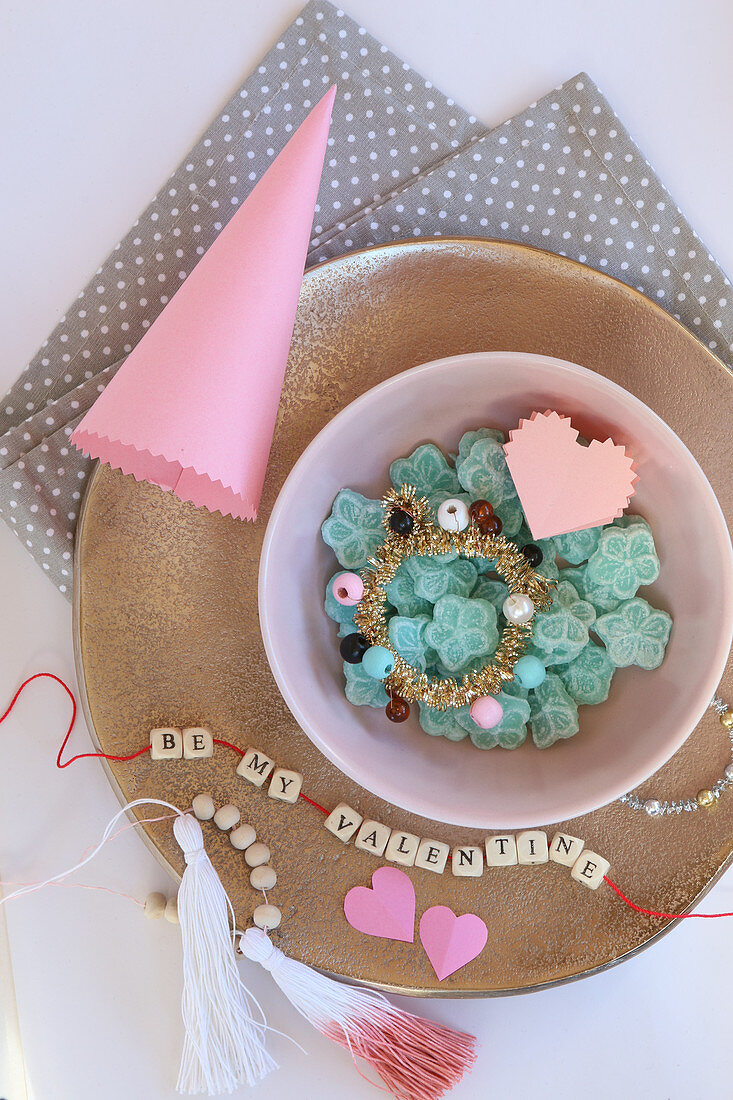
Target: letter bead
(565,849)
(166,743)
(402,848)
(532,847)
(589,869)
(467,861)
(285,785)
(203,807)
(432,855)
(372,837)
(501,851)
(226,817)
(343,822)
(255,766)
(198,743)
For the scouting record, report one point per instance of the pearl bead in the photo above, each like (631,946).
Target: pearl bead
(377,662)
(518,608)
(453,515)
(480,511)
(726,719)
(729,771)
(347,589)
(397,709)
(486,712)
(203,807)
(401,522)
(705,797)
(529,672)
(353,647)
(533,554)
(653,806)
(267,916)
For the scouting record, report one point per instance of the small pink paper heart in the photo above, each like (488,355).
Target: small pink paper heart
(387,909)
(450,941)
(562,485)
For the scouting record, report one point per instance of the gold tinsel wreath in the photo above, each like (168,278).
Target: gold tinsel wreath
(428,540)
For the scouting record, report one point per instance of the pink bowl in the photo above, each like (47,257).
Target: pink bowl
(648,715)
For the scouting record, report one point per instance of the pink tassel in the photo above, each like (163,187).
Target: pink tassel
(416,1058)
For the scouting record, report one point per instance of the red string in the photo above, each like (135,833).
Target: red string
(312,803)
(228,745)
(667,916)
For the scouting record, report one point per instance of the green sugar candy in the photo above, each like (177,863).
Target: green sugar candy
(469,438)
(428,470)
(587,679)
(485,475)
(635,634)
(596,594)
(407,635)
(441,723)
(495,591)
(354,529)
(625,560)
(435,577)
(461,630)
(363,690)
(577,546)
(562,632)
(401,594)
(554,715)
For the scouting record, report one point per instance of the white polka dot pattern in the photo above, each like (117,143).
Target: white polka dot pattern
(403,161)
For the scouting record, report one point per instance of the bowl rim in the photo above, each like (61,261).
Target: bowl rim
(689,717)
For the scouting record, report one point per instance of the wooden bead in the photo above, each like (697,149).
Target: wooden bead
(285,785)
(372,837)
(501,850)
(532,847)
(267,917)
(203,807)
(432,855)
(402,848)
(154,906)
(343,822)
(226,817)
(171,911)
(242,837)
(263,877)
(565,849)
(467,861)
(257,854)
(255,766)
(198,743)
(166,743)
(589,869)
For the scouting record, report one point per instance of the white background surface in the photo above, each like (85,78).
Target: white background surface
(99,101)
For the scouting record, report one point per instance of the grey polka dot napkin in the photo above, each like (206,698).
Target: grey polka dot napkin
(404,160)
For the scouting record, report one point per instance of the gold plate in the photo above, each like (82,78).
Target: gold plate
(166,625)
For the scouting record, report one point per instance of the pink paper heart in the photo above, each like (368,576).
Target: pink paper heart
(450,941)
(562,485)
(387,909)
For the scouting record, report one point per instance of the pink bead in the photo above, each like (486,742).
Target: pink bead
(486,712)
(348,589)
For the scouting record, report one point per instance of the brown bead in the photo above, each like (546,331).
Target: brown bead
(490,526)
(397,709)
(480,511)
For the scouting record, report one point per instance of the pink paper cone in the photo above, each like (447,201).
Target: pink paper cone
(193,407)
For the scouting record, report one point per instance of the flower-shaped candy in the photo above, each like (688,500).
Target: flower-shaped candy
(510,731)
(635,634)
(437,577)
(407,635)
(625,560)
(462,629)
(488,588)
(562,632)
(401,593)
(484,474)
(469,438)
(588,677)
(441,723)
(577,546)
(354,529)
(363,690)
(428,470)
(597,594)
(554,715)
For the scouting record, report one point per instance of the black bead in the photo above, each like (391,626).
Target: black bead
(533,554)
(401,522)
(353,647)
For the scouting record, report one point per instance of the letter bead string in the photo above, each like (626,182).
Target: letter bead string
(528,848)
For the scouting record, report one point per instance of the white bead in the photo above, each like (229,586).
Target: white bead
(226,817)
(402,848)
(565,849)
(590,869)
(171,911)
(467,861)
(257,854)
(262,878)
(343,822)
(453,515)
(255,766)
(203,807)
(154,906)
(432,855)
(532,847)
(267,916)
(653,806)
(372,837)
(198,743)
(729,771)
(501,850)
(166,743)
(285,785)
(242,837)
(518,608)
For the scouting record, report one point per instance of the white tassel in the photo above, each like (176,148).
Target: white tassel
(224,1044)
(416,1058)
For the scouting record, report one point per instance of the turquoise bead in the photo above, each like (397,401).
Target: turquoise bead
(529,672)
(377,662)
